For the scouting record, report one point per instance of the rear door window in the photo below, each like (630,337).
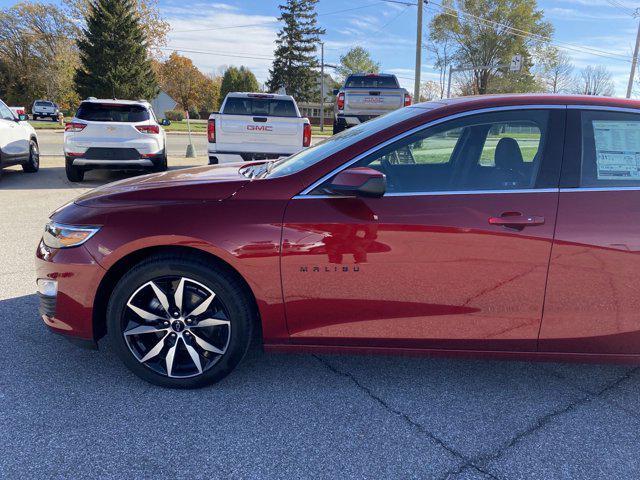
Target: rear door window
(103,112)
(260,107)
(371,81)
(610,149)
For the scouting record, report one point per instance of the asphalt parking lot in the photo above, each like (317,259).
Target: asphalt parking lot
(71,413)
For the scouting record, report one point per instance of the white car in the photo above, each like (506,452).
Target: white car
(18,141)
(256,126)
(114,134)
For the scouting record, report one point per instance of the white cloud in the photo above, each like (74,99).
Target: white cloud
(225,35)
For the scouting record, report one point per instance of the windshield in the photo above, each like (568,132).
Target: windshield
(259,106)
(44,104)
(371,81)
(104,112)
(334,144)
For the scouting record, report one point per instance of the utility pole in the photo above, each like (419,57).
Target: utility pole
(634,62)
(322,86)
(416,86)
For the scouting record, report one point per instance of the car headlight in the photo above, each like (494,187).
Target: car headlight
(57,235)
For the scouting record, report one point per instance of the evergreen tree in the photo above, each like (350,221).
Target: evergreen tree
(238,80)
(113,54)
(295,61)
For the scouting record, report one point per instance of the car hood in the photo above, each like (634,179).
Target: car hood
(186,185)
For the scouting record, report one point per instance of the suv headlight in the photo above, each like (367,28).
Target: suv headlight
(57,235)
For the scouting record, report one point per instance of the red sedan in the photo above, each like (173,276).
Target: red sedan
(501,225)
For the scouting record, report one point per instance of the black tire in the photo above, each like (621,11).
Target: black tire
(338,127)
(33,164)
(162,165)
(54,119)
(229,292)
(213,160)
(74,174)
(35,117)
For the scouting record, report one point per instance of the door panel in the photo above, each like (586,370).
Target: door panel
(455,255)
(421,271)
(593,299)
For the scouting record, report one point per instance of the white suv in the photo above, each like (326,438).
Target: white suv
(114,134)
(18,141)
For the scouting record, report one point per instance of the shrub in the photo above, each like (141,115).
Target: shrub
(174,115)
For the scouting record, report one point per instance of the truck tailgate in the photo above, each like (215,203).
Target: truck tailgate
(258,133)
(379,100)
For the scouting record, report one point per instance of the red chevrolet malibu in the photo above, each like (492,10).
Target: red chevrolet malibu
(503,225)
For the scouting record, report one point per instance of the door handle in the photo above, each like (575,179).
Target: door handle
(516,220)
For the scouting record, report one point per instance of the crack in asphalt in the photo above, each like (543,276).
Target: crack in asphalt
(467,462)
(479,463)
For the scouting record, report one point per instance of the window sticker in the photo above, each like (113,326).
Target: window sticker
(617,149)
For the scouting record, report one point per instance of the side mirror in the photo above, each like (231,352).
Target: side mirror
(22,117)
(359,182)
(165,122)
(335,91)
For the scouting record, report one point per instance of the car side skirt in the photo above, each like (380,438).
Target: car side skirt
(627,359)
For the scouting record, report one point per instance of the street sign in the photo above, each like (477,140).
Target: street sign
(516,63)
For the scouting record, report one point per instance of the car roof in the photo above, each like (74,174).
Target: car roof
(537,99)
(114,101)
(371,74)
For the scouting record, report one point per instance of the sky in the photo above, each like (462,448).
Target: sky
(216,34)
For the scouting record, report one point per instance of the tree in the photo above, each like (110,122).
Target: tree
(486,36)
(154,27)
(594,81)
(442,51)
(38,55)
(238,80)
(554,69)
(113,54)
(210,100)
(182,80)
(295,62)
(429,90)
(357,60)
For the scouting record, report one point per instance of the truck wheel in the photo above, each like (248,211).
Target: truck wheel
(74,174)
(337,127)
(33,164)
(213,160)
(34,116)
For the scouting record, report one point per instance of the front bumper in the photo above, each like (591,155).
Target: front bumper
(70,310)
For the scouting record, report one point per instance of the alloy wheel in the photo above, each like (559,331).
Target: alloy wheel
(176,326)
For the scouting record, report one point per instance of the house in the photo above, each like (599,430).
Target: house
(163,103)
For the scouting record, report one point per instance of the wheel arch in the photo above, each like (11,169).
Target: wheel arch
(124,264)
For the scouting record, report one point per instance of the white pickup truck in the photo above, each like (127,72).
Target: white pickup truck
(365,96)
(256,126)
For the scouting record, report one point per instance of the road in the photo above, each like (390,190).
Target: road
(72,413)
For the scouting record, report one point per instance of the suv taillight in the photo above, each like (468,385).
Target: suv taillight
(340,101)
(306,135)
(407,99)
(74,127)
(211,130)
(153,129)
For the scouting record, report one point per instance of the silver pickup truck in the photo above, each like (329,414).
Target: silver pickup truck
(365,96)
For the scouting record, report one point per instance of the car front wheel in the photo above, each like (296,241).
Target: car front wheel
(176,322)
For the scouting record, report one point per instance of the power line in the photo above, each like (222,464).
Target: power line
(621,7)
(221,54)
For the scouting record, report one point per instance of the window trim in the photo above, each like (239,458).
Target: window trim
(307,191)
